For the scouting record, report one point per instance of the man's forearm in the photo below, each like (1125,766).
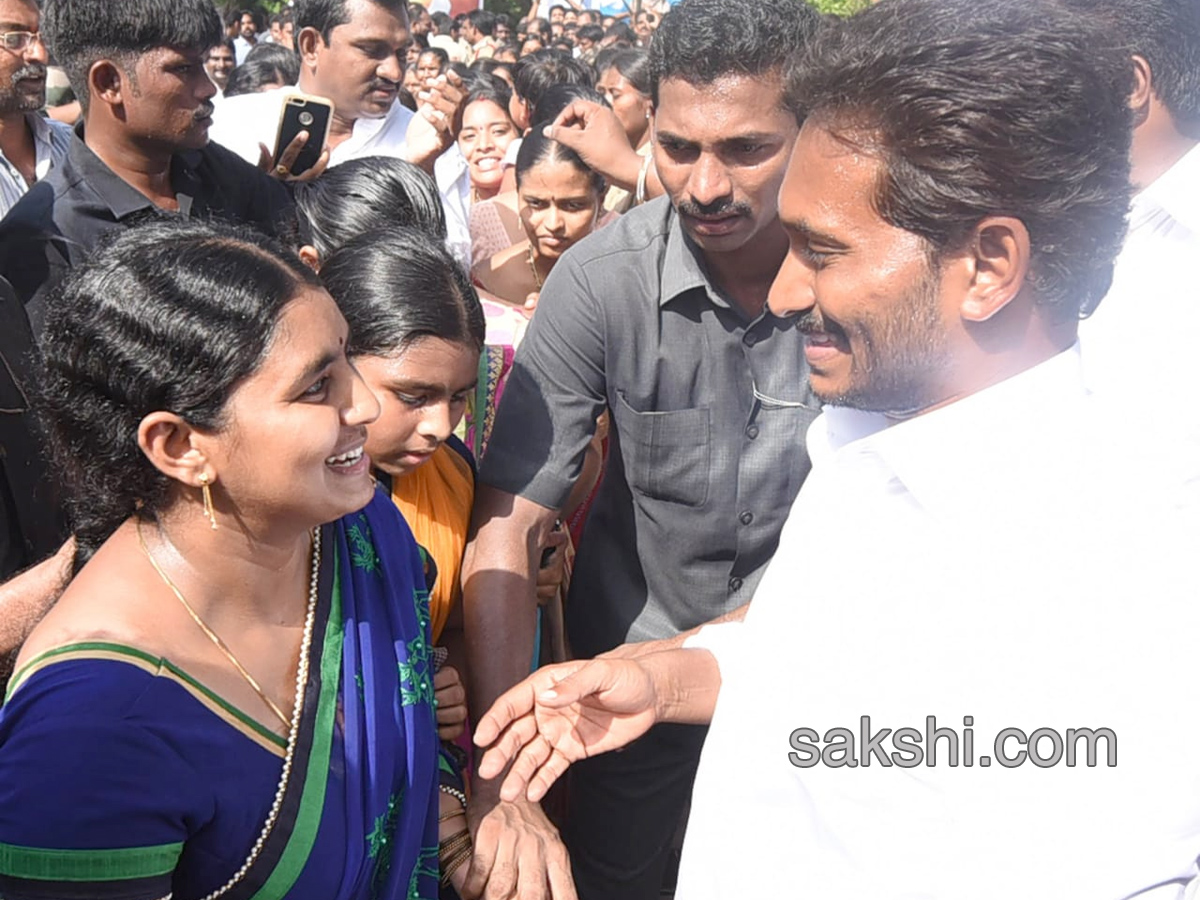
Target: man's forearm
(686,684)
(645,648)
(26,598)
(499,592)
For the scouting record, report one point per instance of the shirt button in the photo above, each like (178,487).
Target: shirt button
(746,518)
(752,432)
(750,339)
(735,585)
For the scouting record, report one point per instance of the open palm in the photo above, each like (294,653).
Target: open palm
(561,714)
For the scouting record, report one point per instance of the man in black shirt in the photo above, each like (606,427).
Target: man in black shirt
(138,69)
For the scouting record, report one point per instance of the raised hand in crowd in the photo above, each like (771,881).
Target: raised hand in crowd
(438,119)
(283,171)
(594,132)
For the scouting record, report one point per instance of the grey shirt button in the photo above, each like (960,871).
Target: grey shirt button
(746,518)
(735,585)
(752,432)
(750,339)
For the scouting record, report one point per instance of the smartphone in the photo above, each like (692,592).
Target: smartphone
(302,112)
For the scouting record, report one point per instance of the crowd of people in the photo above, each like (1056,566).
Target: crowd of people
(608,429)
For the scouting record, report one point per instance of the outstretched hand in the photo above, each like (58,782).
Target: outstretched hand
(594,132)
(559,715)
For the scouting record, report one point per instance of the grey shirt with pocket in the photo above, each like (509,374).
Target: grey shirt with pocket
(706,449)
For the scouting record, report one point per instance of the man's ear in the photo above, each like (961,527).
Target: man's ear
(998,257)
(175,448)
(308,43)
(1143,89)
(107,82)
(308,256)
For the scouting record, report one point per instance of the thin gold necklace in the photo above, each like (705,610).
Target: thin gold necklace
(537,279)
(212,635)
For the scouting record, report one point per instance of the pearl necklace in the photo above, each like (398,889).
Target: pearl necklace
(297,707)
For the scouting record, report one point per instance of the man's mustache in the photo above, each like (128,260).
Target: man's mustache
(719,208)
(29,70)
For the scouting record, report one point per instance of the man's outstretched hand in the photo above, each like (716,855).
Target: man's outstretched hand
(561,714)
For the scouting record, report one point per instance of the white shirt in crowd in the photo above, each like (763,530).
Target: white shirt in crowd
(1025,557)
(1141,341)
(52,140)
(242,48)
(243,122)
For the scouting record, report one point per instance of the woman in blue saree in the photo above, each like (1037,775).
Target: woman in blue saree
(231,699)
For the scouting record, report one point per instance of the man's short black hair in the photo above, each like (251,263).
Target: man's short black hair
(1013,108)
(593,33)
(482,21)
(1165,33)
(442,22)
(326,15)
(700,41)
(558,6)
(534,74)
(83,32)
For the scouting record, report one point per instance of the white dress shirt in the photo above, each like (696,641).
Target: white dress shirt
(51,140)
(1023,556)
(1141,340)
(243,122)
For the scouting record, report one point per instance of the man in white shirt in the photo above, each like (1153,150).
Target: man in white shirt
(1154,280)
(985,585)
(351,54)
(248,35)
(29,144)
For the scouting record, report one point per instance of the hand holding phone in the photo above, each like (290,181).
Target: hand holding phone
(301,114)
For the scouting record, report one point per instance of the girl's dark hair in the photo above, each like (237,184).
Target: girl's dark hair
(397,287)
(488,87)
(374,193)
(536,148)
(634,66)
(439,54)
(172,315)
(255,74)
(557,98)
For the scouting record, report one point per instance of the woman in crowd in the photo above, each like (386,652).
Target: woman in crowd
(231,697)
(431,63)
(560,202)
(625,84)
(487,130)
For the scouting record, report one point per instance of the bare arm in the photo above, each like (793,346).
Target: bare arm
(644,648)
(26,598)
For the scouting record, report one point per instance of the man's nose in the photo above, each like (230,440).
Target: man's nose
(709,180)
(792,290)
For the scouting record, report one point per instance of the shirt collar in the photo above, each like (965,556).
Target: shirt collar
(944,458)
(118,195)
(1176,192)
(683,269)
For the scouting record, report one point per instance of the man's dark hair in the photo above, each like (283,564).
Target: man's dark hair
(442,22)
(593,33)
(1166,33)
(82,32)
(622,32)
(503,19)
(225,42)
(326,15)
(538,26)
(562,44)
(255,17)
(538,71)
(1011,108)
(699,41)
(482,21)
(558,6)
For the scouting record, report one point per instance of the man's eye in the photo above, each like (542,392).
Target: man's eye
(410,400)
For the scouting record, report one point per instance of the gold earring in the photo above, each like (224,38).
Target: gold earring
(206,494)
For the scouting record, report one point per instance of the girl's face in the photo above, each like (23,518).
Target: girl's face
(628,105)
(292,447)
(422,393)
(486,133)
(559,206)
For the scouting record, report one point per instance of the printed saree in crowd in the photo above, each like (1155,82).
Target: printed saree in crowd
(121,776)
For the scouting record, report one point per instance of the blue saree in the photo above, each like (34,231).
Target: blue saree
(124,778)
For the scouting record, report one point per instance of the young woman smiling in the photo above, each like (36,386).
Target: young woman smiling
(234,696)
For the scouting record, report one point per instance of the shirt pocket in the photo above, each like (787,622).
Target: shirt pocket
(667,454)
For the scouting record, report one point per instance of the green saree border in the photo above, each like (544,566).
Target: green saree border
(98,649)
(123,864)
(312,799)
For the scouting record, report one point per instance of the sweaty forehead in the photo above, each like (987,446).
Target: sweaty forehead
(723,109)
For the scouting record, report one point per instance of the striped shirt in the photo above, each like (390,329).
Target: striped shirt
(51,140)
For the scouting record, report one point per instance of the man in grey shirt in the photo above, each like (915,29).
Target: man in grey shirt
(661,319)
